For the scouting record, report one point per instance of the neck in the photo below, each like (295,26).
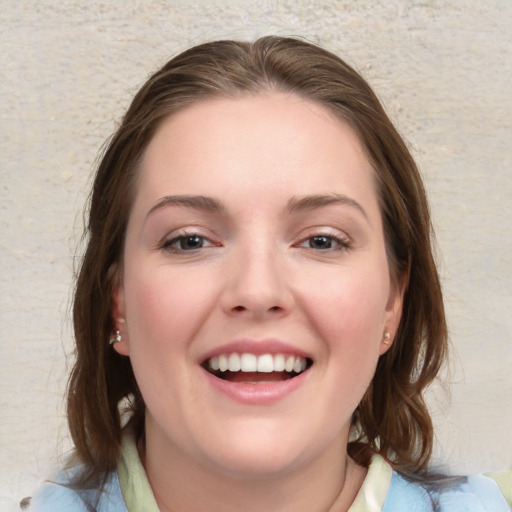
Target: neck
(180,483)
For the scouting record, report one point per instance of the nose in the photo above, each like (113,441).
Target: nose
(257,286)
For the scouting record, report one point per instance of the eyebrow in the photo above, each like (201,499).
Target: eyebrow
(209,204)
(318,201)
(204,203)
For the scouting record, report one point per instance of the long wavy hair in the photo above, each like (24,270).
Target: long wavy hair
(392,418)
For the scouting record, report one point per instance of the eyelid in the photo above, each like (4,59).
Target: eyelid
(175,236)
(342,240)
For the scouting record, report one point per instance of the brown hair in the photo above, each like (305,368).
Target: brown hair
(392,418)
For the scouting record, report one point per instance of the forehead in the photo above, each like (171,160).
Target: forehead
(267,141)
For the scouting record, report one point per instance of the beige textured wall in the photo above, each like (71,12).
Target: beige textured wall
(69,67)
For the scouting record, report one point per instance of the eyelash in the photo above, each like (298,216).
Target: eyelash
(341,243)
(167,244)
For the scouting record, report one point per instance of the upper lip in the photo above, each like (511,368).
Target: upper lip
(257,347)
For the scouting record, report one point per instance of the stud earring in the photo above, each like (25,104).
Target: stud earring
(116,336)
(387,338)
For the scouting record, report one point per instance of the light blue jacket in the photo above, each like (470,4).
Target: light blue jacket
(478,494)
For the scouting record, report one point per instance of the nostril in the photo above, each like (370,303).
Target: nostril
(243,308)
(257,309)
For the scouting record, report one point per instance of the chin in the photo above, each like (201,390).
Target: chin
(256,463)
(259,452)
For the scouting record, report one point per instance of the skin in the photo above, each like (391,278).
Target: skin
(260,273)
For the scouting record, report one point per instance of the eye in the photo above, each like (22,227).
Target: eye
(186,243)
(324,243)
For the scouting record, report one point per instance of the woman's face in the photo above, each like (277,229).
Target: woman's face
(255,243)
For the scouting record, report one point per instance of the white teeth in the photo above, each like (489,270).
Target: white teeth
(214,363)
(265,363)
(234,363)
(279,363)
(223,363)
(249,363)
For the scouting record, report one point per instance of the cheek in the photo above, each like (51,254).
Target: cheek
(349,306)
(164,308)
(164,311)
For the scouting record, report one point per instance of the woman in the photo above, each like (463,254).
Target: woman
(258,299)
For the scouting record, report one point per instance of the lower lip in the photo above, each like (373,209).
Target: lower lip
(262,393)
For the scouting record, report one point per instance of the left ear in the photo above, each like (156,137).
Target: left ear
(393,313)
(118,317)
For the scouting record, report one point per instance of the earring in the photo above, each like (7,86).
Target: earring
(387,338)
(116,336)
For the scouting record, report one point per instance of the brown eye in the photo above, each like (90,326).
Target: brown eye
(321,242)
(325,243)
(186,243)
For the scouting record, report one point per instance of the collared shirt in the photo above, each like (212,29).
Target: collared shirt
(138,495)
(383,490)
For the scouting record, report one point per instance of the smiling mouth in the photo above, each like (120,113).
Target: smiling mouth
(252,369)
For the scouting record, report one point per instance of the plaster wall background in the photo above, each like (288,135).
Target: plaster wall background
(69,68)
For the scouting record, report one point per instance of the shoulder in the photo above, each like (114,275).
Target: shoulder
(56,496)
(476,494)
(405,496)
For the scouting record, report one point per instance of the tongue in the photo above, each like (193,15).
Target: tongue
(255,376)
